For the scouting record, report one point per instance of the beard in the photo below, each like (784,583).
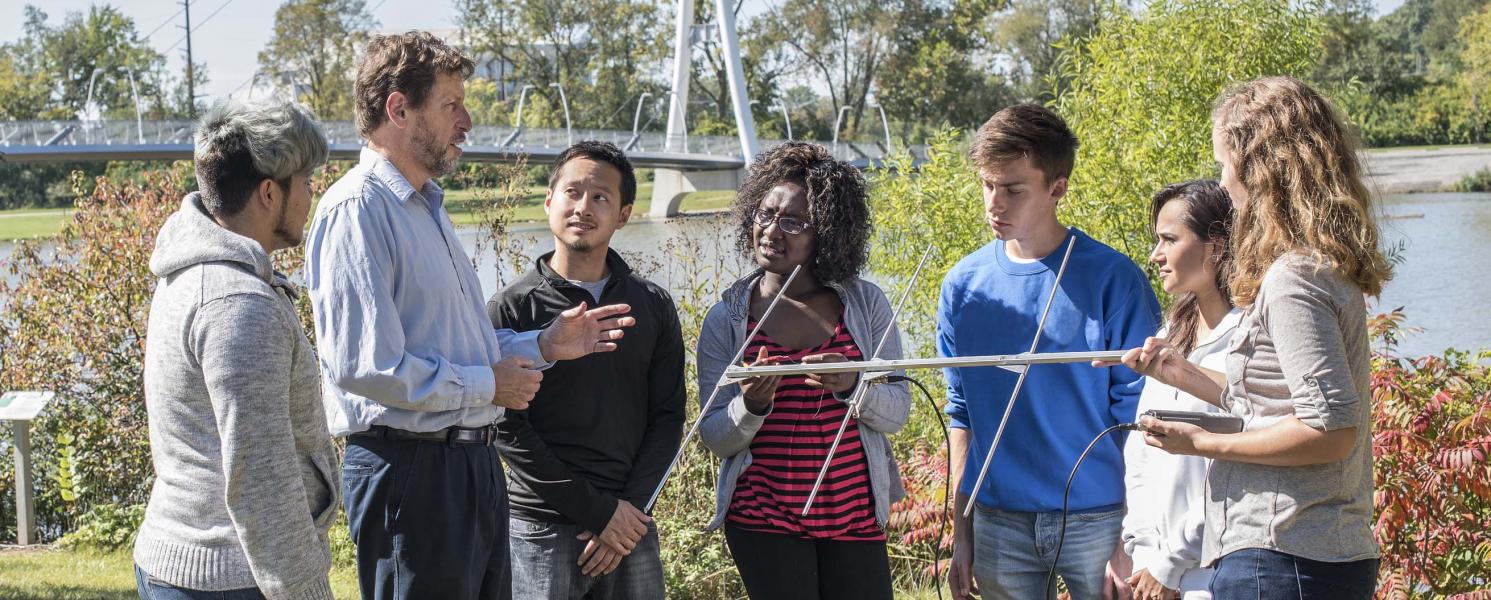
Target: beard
(430,152)
(282,229)
(580,246)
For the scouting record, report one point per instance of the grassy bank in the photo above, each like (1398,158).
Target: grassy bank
(32,223)
(37,223)
(83,575)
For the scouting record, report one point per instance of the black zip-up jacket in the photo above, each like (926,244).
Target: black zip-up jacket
(603,426)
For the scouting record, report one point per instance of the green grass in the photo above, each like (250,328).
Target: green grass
(84,575)
(34,223)
(30,223)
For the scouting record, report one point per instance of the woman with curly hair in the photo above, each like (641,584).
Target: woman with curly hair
(800,207)
(1289,510)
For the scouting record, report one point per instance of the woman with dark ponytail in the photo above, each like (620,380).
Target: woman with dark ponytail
(1162,529)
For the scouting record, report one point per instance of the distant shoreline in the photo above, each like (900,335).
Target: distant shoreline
(1422,170)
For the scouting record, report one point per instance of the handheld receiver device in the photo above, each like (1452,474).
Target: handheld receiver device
(1213,422)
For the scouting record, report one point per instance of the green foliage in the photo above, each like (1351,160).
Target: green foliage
(603,52)
(314,51)
(1142,110)
(46,74)
(696,563)
(107,527)
(42,185)
(1411,77)
(934,77)
(1034,33)
(940,202)
(1479,181)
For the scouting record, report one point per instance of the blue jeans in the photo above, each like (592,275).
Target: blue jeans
(429,519)
(1258,574)
(1012,552)
(545,557)
(151,588)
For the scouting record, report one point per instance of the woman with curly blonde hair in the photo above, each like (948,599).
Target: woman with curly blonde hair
(1289,504)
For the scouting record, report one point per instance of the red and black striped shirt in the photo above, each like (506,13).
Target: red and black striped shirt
(788,452)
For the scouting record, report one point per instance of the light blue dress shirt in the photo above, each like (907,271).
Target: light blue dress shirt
(401,328)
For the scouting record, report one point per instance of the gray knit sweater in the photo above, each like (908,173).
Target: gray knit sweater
(245,479)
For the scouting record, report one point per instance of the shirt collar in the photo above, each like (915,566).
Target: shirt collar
(1229,323)
(383,169)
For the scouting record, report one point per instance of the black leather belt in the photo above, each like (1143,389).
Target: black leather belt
(486,435)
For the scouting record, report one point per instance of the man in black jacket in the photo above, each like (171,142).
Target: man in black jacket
(587,453)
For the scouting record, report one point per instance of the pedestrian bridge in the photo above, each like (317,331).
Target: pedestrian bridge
(694,163)
(82,141)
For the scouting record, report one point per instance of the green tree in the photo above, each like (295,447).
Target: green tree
(1475,59)
(841,45)
(46,74)
(1033,34)
(315,48)
(1355,53)
(604,53)
(1142,110)
(53,65)
(937,76)
(1428,31)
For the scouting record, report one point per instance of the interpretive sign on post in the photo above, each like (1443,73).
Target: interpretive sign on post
(20,408)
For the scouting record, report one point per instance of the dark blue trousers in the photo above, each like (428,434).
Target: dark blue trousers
(1258,574)
(429,519)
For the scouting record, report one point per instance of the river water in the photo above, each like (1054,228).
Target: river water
(1444,241)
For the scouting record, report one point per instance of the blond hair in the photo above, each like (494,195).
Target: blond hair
(1295,156)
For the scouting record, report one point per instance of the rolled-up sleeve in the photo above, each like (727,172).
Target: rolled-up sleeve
(1303,320)
(349,269)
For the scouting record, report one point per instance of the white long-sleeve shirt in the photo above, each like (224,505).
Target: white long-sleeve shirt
(1166,496)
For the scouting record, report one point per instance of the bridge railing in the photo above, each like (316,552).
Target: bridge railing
(128,132)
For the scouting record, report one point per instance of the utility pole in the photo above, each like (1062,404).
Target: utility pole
(191,84)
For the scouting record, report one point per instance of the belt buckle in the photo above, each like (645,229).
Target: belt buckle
(490,434)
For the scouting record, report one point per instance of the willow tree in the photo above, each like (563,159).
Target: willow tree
(1140,96)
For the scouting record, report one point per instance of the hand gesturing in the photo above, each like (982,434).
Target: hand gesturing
(578,331)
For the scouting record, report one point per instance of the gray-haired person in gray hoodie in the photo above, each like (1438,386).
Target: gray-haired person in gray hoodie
(246,480)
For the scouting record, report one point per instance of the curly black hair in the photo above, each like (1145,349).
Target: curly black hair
(838,206)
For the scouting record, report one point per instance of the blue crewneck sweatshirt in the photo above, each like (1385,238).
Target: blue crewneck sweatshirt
(991,305)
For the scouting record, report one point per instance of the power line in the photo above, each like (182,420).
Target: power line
(165,22)
(200,24)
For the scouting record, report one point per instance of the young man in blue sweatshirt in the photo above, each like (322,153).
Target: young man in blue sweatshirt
(991,304)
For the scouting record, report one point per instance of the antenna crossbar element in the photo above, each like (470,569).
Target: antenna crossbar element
(1011,361)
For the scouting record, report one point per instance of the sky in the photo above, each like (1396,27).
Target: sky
(230,33)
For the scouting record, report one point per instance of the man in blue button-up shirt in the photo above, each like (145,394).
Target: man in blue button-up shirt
(415,375)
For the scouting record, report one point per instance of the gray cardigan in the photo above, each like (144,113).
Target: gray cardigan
(728,428)
(245,472)
(1300,350)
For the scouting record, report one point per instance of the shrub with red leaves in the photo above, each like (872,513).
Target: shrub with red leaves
(1431,438)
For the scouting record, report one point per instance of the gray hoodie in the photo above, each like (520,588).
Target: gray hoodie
(245,479)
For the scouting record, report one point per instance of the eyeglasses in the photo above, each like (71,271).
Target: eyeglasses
(788,225)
